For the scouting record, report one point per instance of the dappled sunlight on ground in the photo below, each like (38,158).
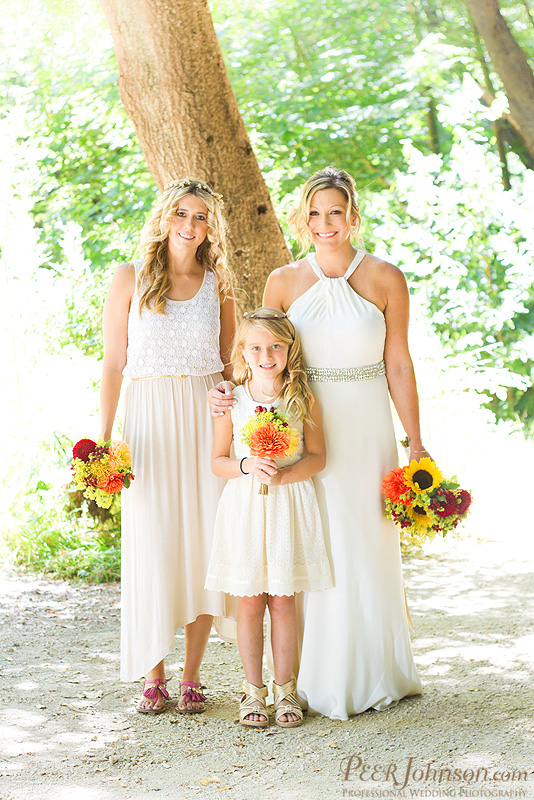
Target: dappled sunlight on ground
(69,729)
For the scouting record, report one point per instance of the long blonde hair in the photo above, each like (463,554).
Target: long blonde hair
(153,283)
(327,178)
(295,393)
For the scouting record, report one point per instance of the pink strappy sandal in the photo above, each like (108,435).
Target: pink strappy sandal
(150,691)
(191,695)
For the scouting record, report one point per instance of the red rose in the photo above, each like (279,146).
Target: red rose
(83,449)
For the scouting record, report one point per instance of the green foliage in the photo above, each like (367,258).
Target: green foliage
(316,85)
(347,83)
(91,167)
(91,185)
(53,530)
(466,245)
(50,541)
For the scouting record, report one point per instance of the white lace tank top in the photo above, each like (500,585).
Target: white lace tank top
(183,341)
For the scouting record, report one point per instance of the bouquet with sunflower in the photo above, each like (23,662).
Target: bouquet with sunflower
(421,502)
(101,469)
(269,434)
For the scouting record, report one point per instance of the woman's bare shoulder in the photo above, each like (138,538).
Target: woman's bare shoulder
(289,271)
(283,284)
(123,281)
(383,271)
(126,269)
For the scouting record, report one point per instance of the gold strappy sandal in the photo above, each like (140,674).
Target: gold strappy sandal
(253,702)
(285,702)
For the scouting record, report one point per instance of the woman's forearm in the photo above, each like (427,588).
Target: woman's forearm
(226,467)
(403,391)
(115,326)
(110,390)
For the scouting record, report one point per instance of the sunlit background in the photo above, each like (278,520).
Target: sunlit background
(74,191)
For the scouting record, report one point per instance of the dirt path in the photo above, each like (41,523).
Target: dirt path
(69,729)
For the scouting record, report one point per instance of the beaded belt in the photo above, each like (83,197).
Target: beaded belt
(333,375)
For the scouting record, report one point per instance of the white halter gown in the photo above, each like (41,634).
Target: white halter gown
(356,651)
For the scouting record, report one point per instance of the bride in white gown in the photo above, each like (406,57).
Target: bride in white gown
(351,311)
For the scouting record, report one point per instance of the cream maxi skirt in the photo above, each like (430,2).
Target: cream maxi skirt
(168,515)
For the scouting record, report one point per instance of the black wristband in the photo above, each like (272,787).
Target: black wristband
(241,466)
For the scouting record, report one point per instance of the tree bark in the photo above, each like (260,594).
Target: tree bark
(511,64)
(497,124)
(175,89)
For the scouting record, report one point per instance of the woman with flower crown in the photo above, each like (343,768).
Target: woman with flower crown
(169,322)
(351,312)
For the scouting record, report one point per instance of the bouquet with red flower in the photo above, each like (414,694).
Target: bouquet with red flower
(421,502)
(269,434)
(101,469)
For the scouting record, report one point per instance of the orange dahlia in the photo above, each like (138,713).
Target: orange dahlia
(395,488)
(119,455)
(112,484)
(269,441)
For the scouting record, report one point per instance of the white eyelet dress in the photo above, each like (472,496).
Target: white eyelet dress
(267,543)
(169,510)
(356,650)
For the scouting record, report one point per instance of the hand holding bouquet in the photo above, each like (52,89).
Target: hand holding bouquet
(101,469)
(421,502)
(268,434)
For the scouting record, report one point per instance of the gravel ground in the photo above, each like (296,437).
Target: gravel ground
(68,729)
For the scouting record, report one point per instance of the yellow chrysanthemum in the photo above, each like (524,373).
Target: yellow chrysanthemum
(81,470)
(422,475)
(100,470)
(101,498)
(419,516)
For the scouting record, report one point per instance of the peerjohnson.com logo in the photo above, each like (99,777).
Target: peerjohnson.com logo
(414,779)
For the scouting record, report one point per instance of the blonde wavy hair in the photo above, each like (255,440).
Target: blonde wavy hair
(153,283)
(295,393)
(327,178)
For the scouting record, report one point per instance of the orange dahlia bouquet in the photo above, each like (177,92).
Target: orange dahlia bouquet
(421,502)
(268,433)
(101,469)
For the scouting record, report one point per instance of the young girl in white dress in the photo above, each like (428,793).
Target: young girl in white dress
(268,547)
(169,322)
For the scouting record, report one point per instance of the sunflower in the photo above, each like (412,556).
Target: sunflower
(419,516)
(422,475)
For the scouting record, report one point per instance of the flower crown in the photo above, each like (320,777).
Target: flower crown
(183,182)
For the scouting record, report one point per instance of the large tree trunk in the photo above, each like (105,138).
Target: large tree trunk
(510,63)
(175,89)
